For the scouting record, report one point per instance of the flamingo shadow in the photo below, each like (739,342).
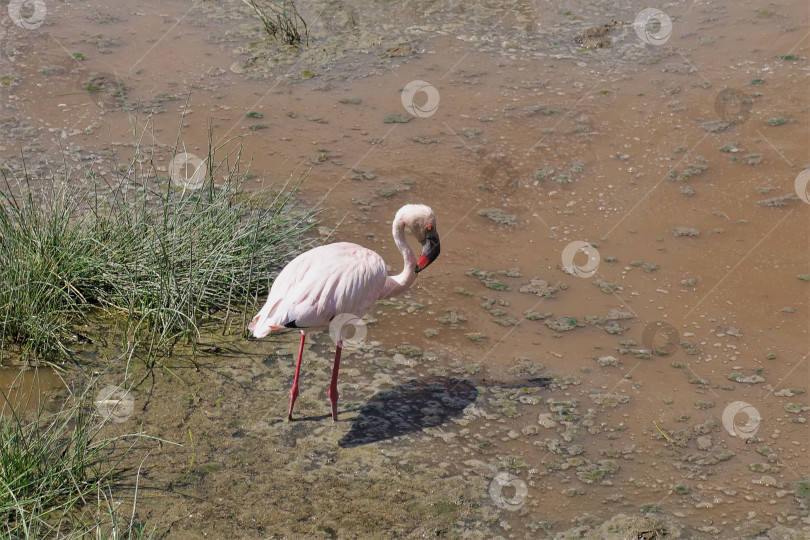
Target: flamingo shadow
(408,408)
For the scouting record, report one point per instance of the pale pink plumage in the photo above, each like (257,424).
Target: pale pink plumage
(339,278)
(320,284)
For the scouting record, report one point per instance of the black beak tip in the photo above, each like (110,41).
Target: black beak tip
(430,250)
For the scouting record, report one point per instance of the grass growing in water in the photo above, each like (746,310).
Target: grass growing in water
(281,19)
(56,476)
(167,257)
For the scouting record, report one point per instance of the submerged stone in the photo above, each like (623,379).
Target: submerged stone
(498,216)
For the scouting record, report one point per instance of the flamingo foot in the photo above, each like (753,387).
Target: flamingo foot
(334,410)
(293,395)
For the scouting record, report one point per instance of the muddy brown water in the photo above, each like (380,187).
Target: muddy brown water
(26,390)
(558,140)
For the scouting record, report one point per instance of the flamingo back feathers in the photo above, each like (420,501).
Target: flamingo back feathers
(320,284)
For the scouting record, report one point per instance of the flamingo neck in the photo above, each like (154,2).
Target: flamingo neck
(399,283)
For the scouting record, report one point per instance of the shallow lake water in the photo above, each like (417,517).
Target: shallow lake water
(614,339)
(26,389)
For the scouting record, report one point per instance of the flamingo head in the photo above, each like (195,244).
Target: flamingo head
(422,222)
(430,248)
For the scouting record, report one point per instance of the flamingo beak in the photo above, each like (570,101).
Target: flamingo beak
(430,249)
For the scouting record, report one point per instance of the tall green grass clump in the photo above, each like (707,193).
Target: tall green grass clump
(56,477)
(42,258)
(165,256)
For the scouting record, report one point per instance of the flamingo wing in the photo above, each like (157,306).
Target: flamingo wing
(320,284)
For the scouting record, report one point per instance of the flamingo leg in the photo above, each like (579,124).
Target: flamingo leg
(294,391)
(333,391)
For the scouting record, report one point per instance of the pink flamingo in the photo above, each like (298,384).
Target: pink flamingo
(343,278)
